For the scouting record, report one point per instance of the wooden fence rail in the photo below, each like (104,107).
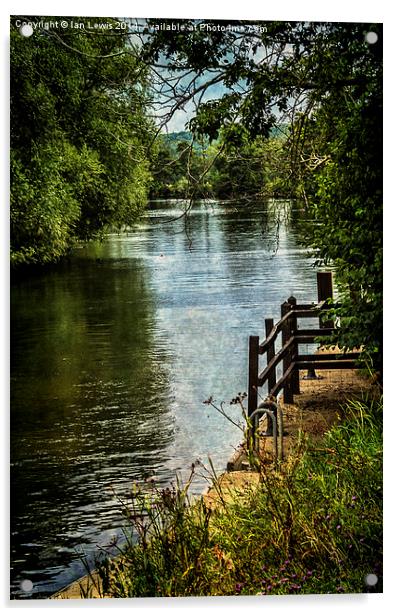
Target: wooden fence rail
(288,355)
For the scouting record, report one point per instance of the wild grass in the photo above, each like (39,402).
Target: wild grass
(312,526)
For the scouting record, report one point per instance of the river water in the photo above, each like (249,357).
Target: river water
(112,356)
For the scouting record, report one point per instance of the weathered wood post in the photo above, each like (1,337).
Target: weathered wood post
(271,351)
(294,353)
(324,291)
(285,336)
(253,374)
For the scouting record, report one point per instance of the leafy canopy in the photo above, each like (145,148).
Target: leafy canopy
(79,136)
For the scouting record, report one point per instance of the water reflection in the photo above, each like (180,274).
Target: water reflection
(112,356)
(90,405)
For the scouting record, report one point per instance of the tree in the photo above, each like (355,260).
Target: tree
(79,138)
(348,202)
(248,168)
(324,79)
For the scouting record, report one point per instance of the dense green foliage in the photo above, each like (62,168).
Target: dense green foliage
(78,139)
(348,203)
(235,167)
(247,167)
(179,167)
(327,78)
(314,527)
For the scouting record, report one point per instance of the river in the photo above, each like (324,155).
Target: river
(113,353)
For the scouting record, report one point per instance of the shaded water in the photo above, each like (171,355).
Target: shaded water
(113,354)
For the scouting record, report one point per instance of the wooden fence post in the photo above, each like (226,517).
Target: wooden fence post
(293,355)
(253,374)
(271,351)
(324,291)
(285,335)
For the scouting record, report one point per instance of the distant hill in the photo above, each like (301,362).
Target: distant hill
(184,135)
(280,130)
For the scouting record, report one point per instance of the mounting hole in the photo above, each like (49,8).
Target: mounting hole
(371,579)
(26,585)
(26,30)
(371,38)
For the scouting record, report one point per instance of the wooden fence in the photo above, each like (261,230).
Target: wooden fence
(288,354)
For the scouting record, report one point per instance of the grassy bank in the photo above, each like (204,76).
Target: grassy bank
(313,526)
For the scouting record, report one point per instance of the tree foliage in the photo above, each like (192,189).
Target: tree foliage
(78,139)
(233,167)
(179,168)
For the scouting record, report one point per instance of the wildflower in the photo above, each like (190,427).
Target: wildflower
(239,587)
(338,526)
(340,589)
(295,587)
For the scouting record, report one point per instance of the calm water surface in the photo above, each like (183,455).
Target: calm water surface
(113,354)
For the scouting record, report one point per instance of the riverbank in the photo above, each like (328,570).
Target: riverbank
(319,407)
